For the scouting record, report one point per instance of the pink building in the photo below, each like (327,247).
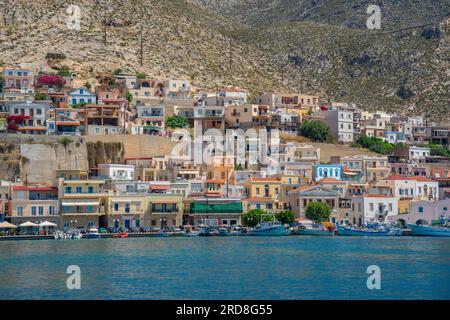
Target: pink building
(425,210)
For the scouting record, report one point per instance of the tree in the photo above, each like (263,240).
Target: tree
(176,122)
(252,218)
(64,71)
(315,130)
(318,211)
(117,71)
(374,144)
(141,75)
(129,97)
(286,217)
(88,85)
(65,141)
(51,80)
(439,150)
(40,97)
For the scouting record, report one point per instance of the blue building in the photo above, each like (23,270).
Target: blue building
(322,171)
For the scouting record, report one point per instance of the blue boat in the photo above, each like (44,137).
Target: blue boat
(268,228)
(314,232)
(348,231)
(424,230)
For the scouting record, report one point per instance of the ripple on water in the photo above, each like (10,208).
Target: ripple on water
(227,268)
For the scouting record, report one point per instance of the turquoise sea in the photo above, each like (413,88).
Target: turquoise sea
(296,267)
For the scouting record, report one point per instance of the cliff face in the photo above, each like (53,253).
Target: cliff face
(41,161)
(34,159)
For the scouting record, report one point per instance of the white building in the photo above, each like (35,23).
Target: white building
(413,187)
(374,206)
(341,120)
(418,153)
(116,171)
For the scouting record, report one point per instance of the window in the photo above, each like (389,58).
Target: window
(90,189)
(257,191)
(33,211)
(127,207)
(19,211)
(420,209)
(116,207)
(68,190)
(97,130)
(79,190)
(41,211)
(371,206)
(51,210)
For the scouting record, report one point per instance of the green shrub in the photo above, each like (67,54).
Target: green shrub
(315,130)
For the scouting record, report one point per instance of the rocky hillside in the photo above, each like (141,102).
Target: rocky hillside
(313,46)
(395,13)
(179,40)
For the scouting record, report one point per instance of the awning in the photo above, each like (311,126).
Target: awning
(164,202)
(7,225)
(160,187)
(28,224)
(152,128)
(48,224)
(126,200)
(67,123)
(75,204)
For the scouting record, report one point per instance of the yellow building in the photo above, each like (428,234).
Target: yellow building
(129,211)
(165,210)
(82,202)
(263,193)
(403,205)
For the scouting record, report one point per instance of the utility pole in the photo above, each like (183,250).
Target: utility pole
(231,57)
(105,26)
(142,45)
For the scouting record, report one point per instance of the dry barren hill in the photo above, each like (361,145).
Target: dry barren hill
(179,40)
(315,46)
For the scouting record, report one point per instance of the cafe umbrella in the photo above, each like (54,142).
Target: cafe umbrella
(46,224)
(7,225)
(28,225)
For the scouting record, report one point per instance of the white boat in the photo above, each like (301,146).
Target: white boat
(311,228)
(73,234)
(93,234)
(268,228)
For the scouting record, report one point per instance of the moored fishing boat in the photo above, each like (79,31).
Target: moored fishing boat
(431,231)
(309,228)
(93,234)
(223,232)
(314,232)
(268,228)
(380,232)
